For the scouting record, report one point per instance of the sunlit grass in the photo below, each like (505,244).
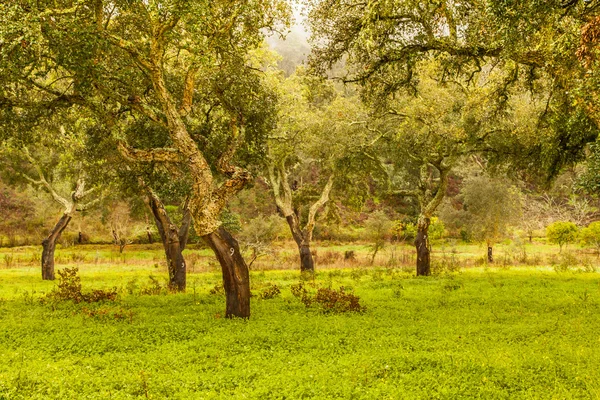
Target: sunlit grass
(485,332)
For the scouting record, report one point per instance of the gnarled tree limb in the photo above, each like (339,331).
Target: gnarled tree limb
(158,154)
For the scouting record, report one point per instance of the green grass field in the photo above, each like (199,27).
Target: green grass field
(481,332)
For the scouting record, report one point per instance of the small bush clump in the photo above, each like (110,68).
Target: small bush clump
(155,287)
(328,300)
(69,288)
(270,292)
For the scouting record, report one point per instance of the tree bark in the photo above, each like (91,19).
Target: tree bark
(173,242)
(306,259)
(236,278)
(49,245)
(422,245)
(490,254)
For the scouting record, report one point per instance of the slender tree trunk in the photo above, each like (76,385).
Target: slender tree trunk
(306,259)
(422,245)
(490,254)
(236,278)
(49,245)
(149,234)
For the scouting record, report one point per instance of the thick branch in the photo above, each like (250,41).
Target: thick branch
(188,91)
(439,195)
(88,205)
(224,162)
(406,193)
(230,188)
(312,212)
(278,178)
(160,154)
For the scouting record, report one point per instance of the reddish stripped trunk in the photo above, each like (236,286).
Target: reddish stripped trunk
(236,279)
(173,241)
(422,245)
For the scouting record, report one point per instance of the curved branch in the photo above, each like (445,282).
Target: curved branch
(44,183)
(159,154)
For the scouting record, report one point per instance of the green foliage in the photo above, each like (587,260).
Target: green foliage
(437,230)
(231,221)
(591,235)
(378,229)
(561,233)
(490,207)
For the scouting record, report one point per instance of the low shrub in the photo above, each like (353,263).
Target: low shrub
(270,292)
(328,300)
(69,288)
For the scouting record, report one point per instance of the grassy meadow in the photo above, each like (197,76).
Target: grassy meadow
(525,327)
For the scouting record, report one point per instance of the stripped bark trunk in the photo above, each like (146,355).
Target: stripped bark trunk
(49,245)
(422,245)
(236,279)
(303,242)
(173,241)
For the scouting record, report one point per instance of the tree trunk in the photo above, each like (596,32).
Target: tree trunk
(149,234)
(49,244)
(173,242)
(236,279)
(422,245)
(306,259)
(490,254)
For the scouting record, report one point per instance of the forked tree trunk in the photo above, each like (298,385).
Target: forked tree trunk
(301,238)
(490,254)
(173,241)
(422,245)
(236,278)
(49,245)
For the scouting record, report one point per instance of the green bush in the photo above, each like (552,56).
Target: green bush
(561,233)
(591,235)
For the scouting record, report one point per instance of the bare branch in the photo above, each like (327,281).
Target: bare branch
(44,183)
